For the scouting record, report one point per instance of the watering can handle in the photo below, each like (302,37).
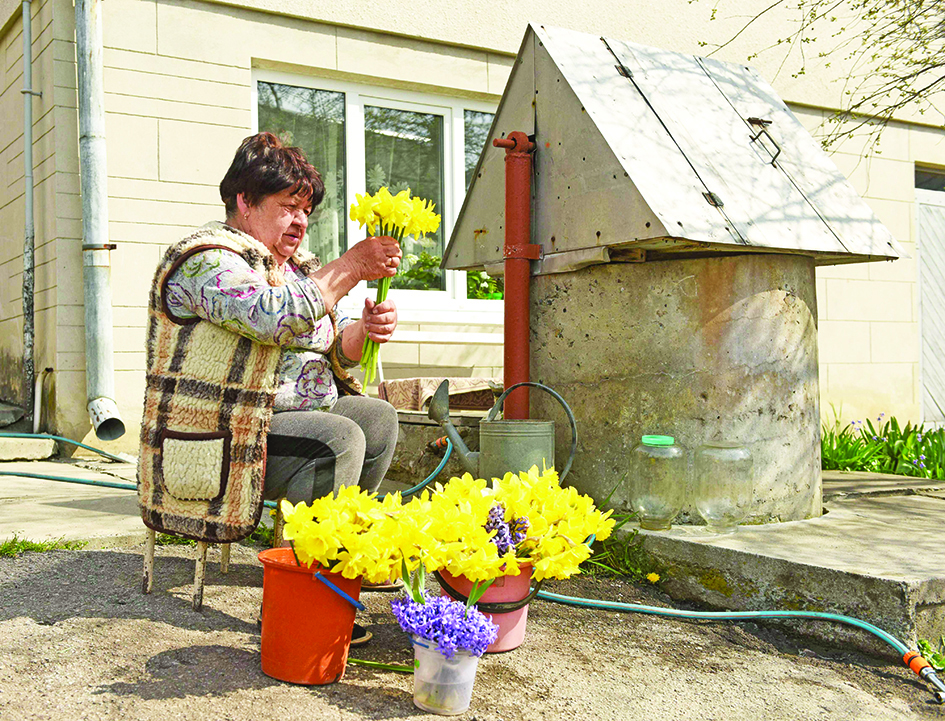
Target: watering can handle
(498,406)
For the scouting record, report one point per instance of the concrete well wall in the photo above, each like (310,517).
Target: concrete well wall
(700,349)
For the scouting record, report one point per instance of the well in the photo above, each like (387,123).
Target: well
(678,212)
(701,349)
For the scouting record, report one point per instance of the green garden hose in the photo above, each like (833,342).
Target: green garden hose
(912,659)
(108,455)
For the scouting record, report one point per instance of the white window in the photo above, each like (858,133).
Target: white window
(362,137)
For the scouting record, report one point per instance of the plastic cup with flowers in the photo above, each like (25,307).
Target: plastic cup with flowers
(398,216)
(448,638)
(524,525)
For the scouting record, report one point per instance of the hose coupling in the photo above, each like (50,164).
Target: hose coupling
(915,661)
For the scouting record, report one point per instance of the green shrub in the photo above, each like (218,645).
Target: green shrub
(884,447)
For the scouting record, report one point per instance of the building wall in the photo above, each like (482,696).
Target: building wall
(179,78)
(55,216)
(869,313)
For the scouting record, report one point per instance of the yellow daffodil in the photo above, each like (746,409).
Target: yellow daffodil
(399,216)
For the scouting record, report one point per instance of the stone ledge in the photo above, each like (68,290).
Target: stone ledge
(9,414)
(26,449)
(877,559)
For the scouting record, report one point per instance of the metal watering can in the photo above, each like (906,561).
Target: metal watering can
(506,445)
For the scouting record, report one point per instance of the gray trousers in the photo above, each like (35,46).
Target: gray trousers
(314,453)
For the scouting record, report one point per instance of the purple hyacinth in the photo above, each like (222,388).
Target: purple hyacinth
(519,529)
(507,535)
(447,623)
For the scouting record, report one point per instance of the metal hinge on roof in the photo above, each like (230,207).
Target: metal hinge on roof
(713,200)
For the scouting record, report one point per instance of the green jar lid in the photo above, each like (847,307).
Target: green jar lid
(658,440)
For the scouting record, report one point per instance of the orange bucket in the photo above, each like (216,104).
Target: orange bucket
(306,624)
(504,589)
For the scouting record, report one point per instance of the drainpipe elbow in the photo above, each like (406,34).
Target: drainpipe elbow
(106,419)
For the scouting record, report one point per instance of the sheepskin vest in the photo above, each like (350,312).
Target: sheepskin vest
(208,405)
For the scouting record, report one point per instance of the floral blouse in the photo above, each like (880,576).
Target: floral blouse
(218,286)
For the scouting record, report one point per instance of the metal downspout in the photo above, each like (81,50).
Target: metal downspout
(519,252)
(99,361)
(29,257)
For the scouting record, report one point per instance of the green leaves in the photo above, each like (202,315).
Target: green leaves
(415,582)
(885,447)
(622,554)
(13,547)
(481,285)
(477,591)
(936,658)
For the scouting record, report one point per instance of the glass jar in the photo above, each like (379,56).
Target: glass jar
(722,488)
(657,481)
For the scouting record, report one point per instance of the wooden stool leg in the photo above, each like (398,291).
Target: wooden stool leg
(148,577)
(225,558)
(277,527)
(199,574)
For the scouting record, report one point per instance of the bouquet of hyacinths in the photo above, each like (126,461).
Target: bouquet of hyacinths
(351,533)
(448,638)
(451,625)
(482,532)
(398,216)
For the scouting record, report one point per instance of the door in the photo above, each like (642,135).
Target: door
(930,236)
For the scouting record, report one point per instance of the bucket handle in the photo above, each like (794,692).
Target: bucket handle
(500,607)
(317,574)
(498,406)
(357,604)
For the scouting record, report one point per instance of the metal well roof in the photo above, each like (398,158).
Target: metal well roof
(643,152)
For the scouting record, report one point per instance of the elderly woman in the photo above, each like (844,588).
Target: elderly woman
(247,388)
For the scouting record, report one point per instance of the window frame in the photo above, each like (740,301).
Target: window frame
(414,306)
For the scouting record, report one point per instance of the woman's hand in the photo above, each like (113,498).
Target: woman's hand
(370,259)
(379,319)
(374,258)
(377,322)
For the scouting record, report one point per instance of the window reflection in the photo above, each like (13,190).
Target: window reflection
(404,149)
(313,120)
(476,133)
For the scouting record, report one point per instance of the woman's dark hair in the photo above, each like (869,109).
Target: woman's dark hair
(263,166)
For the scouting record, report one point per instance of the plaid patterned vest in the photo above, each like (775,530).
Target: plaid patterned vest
(208,405)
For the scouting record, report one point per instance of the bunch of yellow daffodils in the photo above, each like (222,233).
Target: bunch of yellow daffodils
(455,539)
(352,533)
(398,216)
(559,521)
(356,534)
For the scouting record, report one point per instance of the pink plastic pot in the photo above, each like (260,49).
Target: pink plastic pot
(505,589)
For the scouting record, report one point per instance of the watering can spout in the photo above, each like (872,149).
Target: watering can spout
(440,412)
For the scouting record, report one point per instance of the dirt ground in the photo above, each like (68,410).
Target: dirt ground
(78,640)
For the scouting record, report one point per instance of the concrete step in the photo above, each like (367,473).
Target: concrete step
(26,449)
(873,556)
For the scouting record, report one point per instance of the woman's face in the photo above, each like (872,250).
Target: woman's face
(278,221)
